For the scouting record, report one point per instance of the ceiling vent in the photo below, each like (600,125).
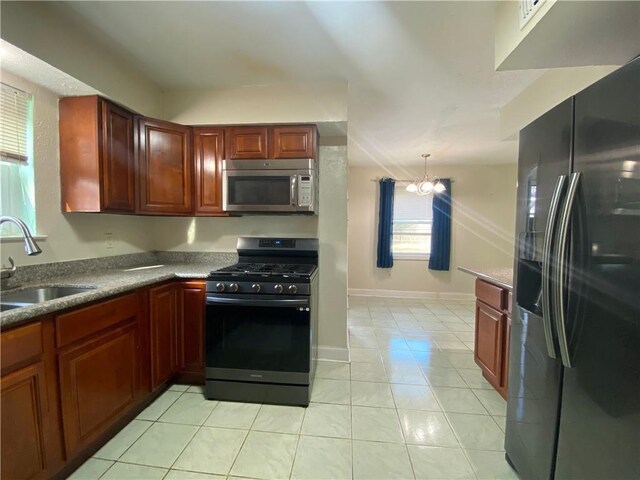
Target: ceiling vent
(528,8)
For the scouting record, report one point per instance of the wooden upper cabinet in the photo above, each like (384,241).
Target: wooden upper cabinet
(118,167)
(293,141)
(164,167)
(97,169)
(246,143)
(208,152)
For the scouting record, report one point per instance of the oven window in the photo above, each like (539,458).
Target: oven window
(275,339)
(265,190)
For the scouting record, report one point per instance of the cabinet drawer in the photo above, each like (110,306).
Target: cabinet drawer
(490,294)
(81,323)
(20,344)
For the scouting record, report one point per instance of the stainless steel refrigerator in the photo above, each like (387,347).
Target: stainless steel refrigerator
(574,367)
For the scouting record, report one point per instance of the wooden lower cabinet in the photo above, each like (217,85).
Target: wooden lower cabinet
(191,326)
(69,382)
(488,341)
(30,438)
(98,383)
(163,311)
(492,334)
(177,332)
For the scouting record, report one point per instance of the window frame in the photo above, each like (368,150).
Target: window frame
(403,256)
(10,233)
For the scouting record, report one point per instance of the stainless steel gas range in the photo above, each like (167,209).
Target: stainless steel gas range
(261,323)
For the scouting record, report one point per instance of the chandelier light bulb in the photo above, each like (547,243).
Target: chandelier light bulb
(412,188)
(426,187)
(439,187)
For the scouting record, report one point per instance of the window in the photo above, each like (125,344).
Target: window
(412,217)
(17,190)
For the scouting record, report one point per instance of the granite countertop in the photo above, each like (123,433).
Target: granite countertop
(108,282)
(502,277)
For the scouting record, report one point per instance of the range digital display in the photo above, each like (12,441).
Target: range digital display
(277,243)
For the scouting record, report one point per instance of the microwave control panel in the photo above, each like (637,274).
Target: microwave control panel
(305,193)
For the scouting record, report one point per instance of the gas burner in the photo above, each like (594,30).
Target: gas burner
(269,269)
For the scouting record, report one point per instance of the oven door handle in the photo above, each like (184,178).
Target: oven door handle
(246,301)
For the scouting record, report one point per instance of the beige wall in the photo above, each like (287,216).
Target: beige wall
(220,234)
(280,103)
(482,229)
(69,236)
(45,30)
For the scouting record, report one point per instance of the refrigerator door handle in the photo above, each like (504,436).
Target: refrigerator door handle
(559,285)
(546,264)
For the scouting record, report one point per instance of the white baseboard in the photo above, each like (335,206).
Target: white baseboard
(333,354)
(365,292)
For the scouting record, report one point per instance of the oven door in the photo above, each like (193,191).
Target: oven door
(258,338)
(260,190)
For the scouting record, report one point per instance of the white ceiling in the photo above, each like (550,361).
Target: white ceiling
(420,74)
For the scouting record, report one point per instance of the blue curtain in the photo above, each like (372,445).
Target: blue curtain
(385,223)
(441,229)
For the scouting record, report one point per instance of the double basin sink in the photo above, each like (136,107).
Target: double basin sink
(25,297)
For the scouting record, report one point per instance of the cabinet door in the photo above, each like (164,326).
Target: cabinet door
(97,384)
(192,328)
(246,143)
(23,397)
(163,313)
(293,141)
(164,167)
(117,159)
(488,342)
(208,152)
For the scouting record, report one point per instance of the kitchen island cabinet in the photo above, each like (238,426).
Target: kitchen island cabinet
(493,325)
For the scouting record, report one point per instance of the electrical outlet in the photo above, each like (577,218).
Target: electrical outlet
(108,239)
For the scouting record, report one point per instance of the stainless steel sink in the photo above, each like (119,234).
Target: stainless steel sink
(30,296)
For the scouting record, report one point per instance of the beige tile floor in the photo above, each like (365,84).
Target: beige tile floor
(412,404)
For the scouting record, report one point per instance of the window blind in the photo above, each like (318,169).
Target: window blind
(14,120)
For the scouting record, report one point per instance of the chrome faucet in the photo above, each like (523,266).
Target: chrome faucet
(30,245)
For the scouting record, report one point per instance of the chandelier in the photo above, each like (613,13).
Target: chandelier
(427,184)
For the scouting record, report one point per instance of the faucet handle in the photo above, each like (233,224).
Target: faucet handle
(8,272)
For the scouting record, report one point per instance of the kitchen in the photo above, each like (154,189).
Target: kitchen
(75,236)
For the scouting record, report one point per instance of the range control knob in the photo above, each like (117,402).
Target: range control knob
(278,288)
(293,289)
(233,287)
(219,287)
(255,287)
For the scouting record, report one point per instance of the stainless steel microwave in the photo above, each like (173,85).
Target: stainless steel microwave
(270,186)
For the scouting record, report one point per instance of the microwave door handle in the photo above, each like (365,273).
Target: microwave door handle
(294,190)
